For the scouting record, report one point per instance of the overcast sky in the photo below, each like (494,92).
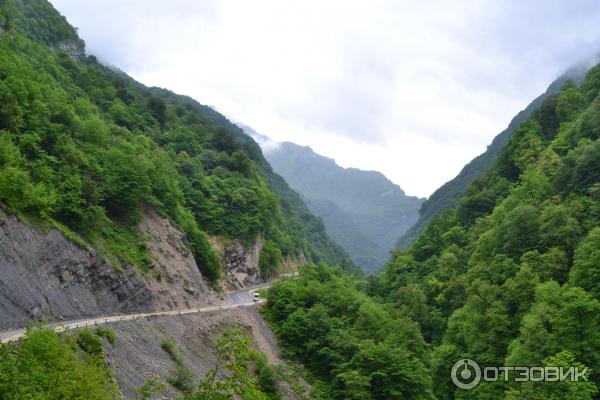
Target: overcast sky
(414,89)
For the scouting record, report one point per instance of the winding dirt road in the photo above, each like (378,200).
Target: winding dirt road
(241,298)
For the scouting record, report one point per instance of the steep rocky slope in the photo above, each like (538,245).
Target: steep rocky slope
(174,274)
(137,355)
(240,262)
(43,274)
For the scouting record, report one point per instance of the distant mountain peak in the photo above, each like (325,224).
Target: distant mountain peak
(363,211)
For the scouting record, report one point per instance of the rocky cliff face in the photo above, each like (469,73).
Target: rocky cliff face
(46,275)
(241,264)
(74,49)
(291,264)
(174,277)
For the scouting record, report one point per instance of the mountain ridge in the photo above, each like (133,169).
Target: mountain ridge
(362,210)
(447,194)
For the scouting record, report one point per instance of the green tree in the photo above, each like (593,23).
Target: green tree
(158,108)
(562,318)
(230,378)
(586,267)
(519,231)
(270,259)
(570,103)
(43,366)
(382,371)
(575,390)
(482,327)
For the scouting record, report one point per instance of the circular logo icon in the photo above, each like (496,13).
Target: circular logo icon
(465,374)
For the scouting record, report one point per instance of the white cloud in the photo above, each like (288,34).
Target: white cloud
(414,89)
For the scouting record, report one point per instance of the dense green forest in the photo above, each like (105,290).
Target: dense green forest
(509,276)
(84,148)
(46,366)
(354,346)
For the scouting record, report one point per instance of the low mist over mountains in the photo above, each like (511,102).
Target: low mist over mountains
(363,211)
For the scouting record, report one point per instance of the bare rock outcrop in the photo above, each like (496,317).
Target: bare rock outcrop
(44,274)
(74,49)
(174,275)
(241,263)
(242,269)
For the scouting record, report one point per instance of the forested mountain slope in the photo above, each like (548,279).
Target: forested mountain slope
(450,191)
(84,147)
(507,277)
(362,210)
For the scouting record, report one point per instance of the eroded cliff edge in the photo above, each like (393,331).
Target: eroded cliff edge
(44,274)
